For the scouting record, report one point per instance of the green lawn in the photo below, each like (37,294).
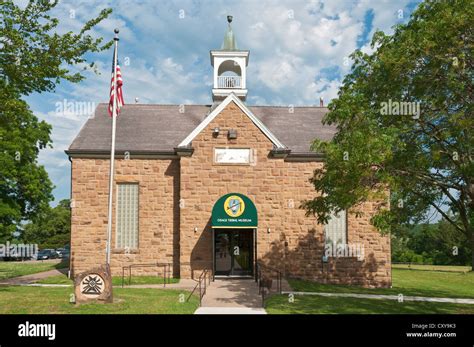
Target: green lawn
(279,304)
(446,283)
(406,282)
(9,269)
(449,268)
(36,300)
(116,280)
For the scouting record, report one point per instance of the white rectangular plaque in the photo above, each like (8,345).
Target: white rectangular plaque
(232,155)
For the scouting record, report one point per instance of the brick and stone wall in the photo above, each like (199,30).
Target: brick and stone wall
(176,200)
(277,188)
(158,213)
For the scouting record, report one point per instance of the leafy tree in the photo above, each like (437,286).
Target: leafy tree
(33,58)
(51,228)
(439,244)
(423,158)
(451,246)
(24,185)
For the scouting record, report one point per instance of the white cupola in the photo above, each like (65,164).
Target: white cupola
(230,68)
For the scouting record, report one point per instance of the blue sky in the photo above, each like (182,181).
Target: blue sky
(298,52)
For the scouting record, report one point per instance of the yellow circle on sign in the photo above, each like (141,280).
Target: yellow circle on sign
(234,206)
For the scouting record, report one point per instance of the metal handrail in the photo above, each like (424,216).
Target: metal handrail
(278,272)
(166,271)
(202,284)
(260,270)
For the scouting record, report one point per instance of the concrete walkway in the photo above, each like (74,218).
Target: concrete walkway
(232,296)
(183,284)
(223,296)
(386,297)
(230,310)
(232,293)
(29,279)
(228,296)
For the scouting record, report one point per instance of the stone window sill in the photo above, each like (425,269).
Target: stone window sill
(125,251)
(331,257)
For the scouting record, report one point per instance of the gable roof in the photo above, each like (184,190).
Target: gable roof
(159,129)
(231,97)
(298,128)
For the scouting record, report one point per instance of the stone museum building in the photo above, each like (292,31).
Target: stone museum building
(216,187)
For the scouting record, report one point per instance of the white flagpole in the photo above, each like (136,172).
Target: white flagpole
(112,155)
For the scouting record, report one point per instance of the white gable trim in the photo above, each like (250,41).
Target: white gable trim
(218,109)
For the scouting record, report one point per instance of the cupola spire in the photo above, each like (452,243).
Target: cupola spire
(229,43)
(230,64)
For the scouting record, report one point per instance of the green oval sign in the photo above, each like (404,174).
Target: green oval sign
(234,210)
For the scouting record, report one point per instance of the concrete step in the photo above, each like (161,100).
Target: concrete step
(232,293)
(230,310)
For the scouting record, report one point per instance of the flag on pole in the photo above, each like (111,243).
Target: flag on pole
(115,102)
(120,102)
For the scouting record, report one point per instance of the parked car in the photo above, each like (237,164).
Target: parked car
(63,252)
(47,254)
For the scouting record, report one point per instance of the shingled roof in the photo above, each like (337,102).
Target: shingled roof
(160,128)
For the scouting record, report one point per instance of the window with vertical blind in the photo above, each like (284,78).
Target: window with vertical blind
(336,229)
(127,215)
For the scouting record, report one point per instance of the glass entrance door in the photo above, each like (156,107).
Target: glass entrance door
(223,257)
(233,252)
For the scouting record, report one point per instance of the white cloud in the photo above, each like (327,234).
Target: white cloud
(292,44)
(327,89)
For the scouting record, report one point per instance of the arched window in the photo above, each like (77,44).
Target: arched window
(229,74)
(229,66)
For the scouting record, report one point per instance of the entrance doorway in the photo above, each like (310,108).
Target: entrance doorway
(233,252)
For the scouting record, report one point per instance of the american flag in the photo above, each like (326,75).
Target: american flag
(120,102)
